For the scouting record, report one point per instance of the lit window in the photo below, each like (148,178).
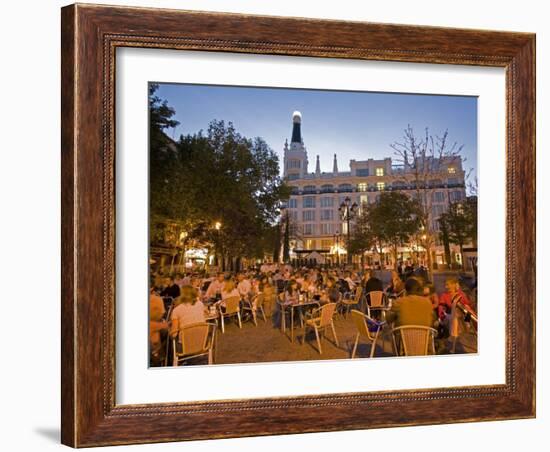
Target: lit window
(451,170)
(379,171)
(362,187)
(380,186)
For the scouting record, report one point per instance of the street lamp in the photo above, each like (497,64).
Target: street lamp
(183,238)
(347,212)
(217,227)
(337,247)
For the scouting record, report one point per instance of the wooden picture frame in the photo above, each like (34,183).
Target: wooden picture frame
(90,36)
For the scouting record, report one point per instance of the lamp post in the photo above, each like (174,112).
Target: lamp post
(183,238)
(347,212)
(337,247)
(217,227)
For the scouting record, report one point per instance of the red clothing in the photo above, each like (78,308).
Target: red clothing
(446,302)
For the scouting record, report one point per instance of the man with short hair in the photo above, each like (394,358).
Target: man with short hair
(412,309)
(215,287)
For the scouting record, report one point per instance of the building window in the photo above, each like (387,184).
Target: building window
(293,176)
(327,214)
(437,211)
(293,163)
(310,244)
(293,203)
(452,181)
(380,186)
(456,196)
(362,186)
(308,229)
(327,201)
(438,196)
(344,188)
(379,171)
(326,228)
(293,215)
(363,200)
(308,215)
(363,172)
(310,189)
(451,170)
(327,188)
(326,244)
(309,202)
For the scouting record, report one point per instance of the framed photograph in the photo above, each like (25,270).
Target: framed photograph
(283,225)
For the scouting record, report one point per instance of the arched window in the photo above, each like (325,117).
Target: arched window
(310,189)
(345,188)
(327,188)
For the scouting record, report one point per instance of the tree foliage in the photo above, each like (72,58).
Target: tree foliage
(215,176)
(393,220)
(460,223)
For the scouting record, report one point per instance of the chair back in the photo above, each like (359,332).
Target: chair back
(194,338)
(360,322)
(258,300)
(232,305)
(416,339)
(377,298)
(327,311)
(358,293)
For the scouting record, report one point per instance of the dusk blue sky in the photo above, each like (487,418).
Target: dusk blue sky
(354,125)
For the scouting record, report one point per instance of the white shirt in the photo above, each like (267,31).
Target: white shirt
(213,288)
(187,313)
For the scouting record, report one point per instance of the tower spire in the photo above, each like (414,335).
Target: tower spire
(296,127)
(317,167)
(335,165)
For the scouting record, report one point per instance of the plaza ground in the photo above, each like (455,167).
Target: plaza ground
(267,343)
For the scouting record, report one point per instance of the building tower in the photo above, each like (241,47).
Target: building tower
(295,155)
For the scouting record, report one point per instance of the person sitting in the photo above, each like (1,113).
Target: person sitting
(244,286)
(331,294)
(292,293)
(371,283)
(214,289)
(454,310)
(412,309)
(188,309)
(229,289)
(172,290)
(157,329)
(396,287)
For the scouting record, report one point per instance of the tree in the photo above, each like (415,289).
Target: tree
(160,118)
(423,158)
(460,223)
(394,219)
(362,238)
(220,177)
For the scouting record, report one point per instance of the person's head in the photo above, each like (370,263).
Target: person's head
(331,282)
(292,285)
(240,277)
(188,295)
(414,287)
(367,274)
(451,284)
(220,277)
(229,285)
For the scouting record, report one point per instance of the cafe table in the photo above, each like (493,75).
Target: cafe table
(305,302)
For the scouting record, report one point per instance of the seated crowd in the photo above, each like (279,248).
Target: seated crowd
(195,298)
